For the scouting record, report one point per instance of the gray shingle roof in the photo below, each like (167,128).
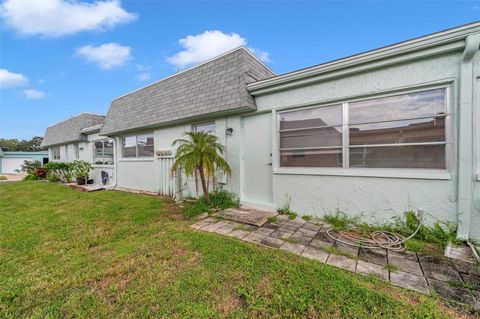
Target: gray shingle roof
(70,130)
(214,87)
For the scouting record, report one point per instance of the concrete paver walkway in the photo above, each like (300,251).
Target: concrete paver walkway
(453,279)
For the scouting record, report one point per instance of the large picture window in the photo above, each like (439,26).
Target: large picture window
(138,146)
(103,152)
(400,131)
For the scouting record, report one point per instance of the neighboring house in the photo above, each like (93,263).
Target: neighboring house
(78,139)
(378,133)
(11,162)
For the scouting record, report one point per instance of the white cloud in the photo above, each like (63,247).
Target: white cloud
(144,76)
(32,94)
(10,80)
(54,18)
(107,56)
(262,55)
(204,46)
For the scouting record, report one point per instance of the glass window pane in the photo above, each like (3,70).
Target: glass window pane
(145,145)
(129,148)
(108,152)
(311,158)
(209,128)
(418,156)
(419,104)
(315,117)
(56,153)
(406,131)
(329,136)
(98,152)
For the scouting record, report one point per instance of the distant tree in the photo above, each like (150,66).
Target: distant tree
(21,145)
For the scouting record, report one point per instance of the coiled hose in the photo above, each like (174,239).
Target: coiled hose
(378,239)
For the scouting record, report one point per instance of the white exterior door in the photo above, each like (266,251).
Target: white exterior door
(257,160)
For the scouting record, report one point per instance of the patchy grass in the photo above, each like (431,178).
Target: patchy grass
(220,199)
(69,254)
(460,284)
(272,219)
(307,217)
(241,227)
(290,240)
(428,240)
(338,252)
(341,221)
(390,267)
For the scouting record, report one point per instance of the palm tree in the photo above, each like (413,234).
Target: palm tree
(200,153)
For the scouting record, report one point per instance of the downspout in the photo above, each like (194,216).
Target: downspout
(465,176)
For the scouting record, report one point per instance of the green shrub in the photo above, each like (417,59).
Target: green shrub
(30,167)
(82,169)
(53,178)
(30,177)
(63,170)
(220,199)
(3,178)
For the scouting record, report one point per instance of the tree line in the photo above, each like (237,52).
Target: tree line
(14,144)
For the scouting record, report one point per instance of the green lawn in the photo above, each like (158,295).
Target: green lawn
(68,254)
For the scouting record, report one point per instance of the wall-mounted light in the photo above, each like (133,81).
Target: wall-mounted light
(229,131)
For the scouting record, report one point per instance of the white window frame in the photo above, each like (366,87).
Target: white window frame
(346,170)
(103,151)
(55,158)
(136,158)
(194,126)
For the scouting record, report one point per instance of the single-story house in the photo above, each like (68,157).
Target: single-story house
(377,133)
(11,161)
(78,139)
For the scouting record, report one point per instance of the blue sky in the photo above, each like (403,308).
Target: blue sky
(60,58)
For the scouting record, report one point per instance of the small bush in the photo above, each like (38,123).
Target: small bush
(53,178)
(220,199)
(63,170)
(30,167)
(30,177)
(82,169)
(3,178)
(41,172)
